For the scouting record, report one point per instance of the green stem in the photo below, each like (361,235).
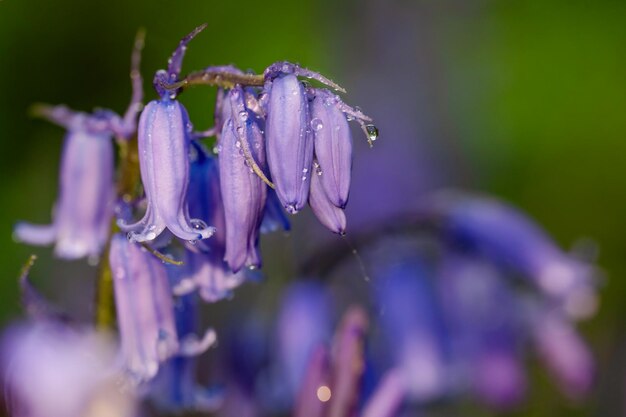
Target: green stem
(217,79)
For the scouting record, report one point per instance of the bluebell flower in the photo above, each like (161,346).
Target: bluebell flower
(145,311)
(241,151)
(411,319)
(331,216)
(485,337)
(84,208)
(333,146)
(289,141)
(563,351)
(175,389)
(204,266)
(163,137)
(52,370)
(511,239)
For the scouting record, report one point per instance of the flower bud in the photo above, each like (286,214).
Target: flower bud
(326,212)
(289,141)
(243,192)
(333,146)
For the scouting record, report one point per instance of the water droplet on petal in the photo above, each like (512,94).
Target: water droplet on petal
(372,132)
(243,116)
(317,124)
(198,224)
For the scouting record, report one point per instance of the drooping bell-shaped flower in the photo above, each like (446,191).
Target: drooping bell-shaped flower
(145,311)
(289,141)
(83,211)
(49,369)
(327,213)
(484,337)
(333,146)
(241,152)
(412,323)
(164,136)
(511,239)
(205,268)
(303,324)
(84,207)
(176,389)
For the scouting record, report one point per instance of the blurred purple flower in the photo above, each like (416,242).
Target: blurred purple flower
(83,211)
(510,238)
(175,388)
(412,322)
(485,328)
(51,370)
(145,311)
(82,214)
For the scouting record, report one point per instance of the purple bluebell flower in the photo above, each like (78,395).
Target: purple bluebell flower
(205,268)
(289,141)
(144,308)
(512,239)
(84,207)
(241,151)
(145,311)
(327,213)
(82,214)
(51,370)
(333,146)
(485,338)
(564,352)
(303,324)
(164,135)
(175,388)
(332,384)
(300,119)
(412,322)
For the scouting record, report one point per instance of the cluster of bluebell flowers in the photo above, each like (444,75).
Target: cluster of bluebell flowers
(454,303)
(280,144)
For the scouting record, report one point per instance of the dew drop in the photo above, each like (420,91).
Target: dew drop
(317,124)
(198,224)
(305,170)
(372,132)
(151,236)
(243,115)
